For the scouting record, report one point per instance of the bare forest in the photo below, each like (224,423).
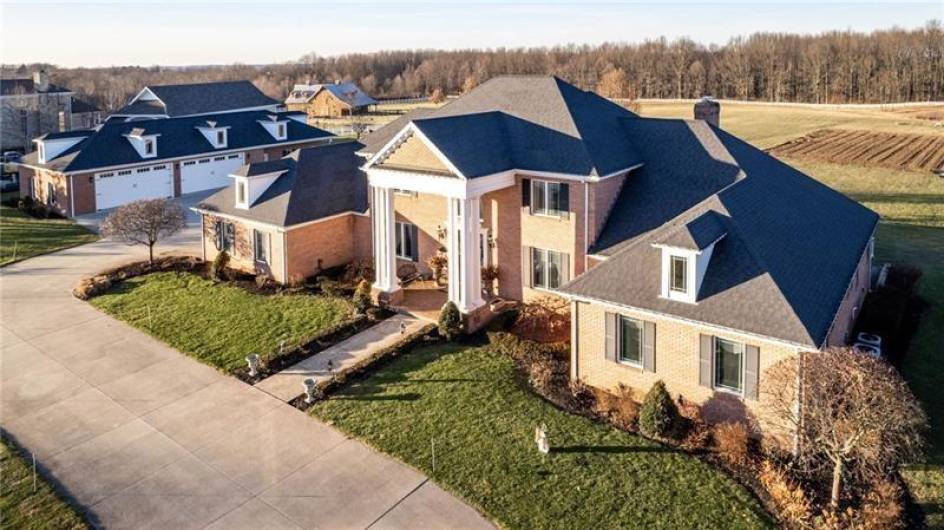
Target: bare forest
(888,66)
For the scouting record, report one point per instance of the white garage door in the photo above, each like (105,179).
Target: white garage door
(208,173)
(121,187)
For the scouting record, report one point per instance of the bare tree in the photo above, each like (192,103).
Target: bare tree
(145,222)
(853,415)
(613,84)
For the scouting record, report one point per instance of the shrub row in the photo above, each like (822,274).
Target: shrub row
(96,285)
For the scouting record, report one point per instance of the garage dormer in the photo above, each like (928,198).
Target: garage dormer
(252,180)
(686,252)
(145,144)
(217,135)
(276,126)
(49,146)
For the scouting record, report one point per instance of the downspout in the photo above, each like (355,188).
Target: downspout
(586,224)
(285,256)
(574,348)
(71,197)
(203,243)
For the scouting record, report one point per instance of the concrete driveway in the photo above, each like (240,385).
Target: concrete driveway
(93,220)
(144,437)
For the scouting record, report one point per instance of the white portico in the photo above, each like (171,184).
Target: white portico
(426,171)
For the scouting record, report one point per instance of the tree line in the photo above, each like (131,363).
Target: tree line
(884,66)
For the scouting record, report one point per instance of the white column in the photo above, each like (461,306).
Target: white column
(382,217)
(465,275)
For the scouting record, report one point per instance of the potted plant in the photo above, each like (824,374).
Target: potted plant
(438,263)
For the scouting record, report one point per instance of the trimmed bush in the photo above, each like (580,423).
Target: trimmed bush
(659,417)
(732,441)
(362,300)
(218,267)
(330,287)
(450,321)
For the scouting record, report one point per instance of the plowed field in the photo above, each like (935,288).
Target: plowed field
(918,152)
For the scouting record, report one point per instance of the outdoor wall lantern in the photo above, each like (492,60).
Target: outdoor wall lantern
(440,232)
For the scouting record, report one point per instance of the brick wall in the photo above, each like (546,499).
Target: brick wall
(242,256)
(319,246)
(562,234)
(363,242)
(851,304)
(27,116)
(676,363)
(427,212)
(602,196)
(501,211)
(39,186)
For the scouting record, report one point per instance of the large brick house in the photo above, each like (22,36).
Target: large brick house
(293,217)
(329,100)
(688,255)
(84,171)
(32,107)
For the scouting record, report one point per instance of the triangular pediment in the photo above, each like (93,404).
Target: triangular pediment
(414,154)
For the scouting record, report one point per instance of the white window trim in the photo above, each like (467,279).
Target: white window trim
(619,340)
(546,260)
(268,245)
(691,257)
(714,365)
(400,228)
(559,213)
(673,259)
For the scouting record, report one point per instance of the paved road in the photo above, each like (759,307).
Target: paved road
(144,437)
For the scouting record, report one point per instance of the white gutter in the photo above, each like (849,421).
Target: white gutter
(71,198)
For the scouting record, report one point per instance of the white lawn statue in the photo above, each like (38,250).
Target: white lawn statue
(253,360)
(540,438)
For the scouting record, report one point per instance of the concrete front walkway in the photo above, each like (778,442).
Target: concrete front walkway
(144,437)
(289,383)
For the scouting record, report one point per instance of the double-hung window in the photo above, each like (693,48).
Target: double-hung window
(547,268)
(678,274)
(260,241)
(225,236)
(549,198)
(240,192)
(406,246)
(629,337)
(729,365)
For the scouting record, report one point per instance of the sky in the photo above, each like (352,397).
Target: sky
(179,32)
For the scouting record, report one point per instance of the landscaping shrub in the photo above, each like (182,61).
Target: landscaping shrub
(618,407)
(263,281)
(732,442)
(659,417)
(792,504)
(219,265)
(450,321)
(91,287)
(357,270)
(545,319)
(330,287)
(362,300)
(882,507)
(582,398)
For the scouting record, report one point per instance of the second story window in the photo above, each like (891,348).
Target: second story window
(149,147)
(678,274)
(546,198)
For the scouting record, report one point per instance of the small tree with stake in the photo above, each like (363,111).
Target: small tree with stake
(854,417)
(145,222)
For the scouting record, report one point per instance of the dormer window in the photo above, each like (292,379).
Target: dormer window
(220,137)
(149,147)
(678,275)
(275,126)
(241,193)
(42,153)
(281,131)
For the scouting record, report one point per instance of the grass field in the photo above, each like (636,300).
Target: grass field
(217,323)
(22,236)
(467,403)
(769,125)
(911,204)
(21,506)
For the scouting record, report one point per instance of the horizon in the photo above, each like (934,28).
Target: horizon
(185,39)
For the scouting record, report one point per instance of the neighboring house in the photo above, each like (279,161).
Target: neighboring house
(32,107)
(688,255)
(174,101)
(83,171)
(329,100)
(84,114)
(293,217)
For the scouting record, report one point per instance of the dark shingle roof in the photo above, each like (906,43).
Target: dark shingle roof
(80,106)
(318,182)
(543,124)
(178,137)
(697,234)
(790,249)
(200,98)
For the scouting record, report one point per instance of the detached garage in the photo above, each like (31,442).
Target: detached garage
(115,188)
(208,173)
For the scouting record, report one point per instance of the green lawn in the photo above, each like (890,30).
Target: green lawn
(21,506)
(217,323)
(466,401)
(22,236)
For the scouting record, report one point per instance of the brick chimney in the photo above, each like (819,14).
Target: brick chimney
(41,81)
(708,109)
